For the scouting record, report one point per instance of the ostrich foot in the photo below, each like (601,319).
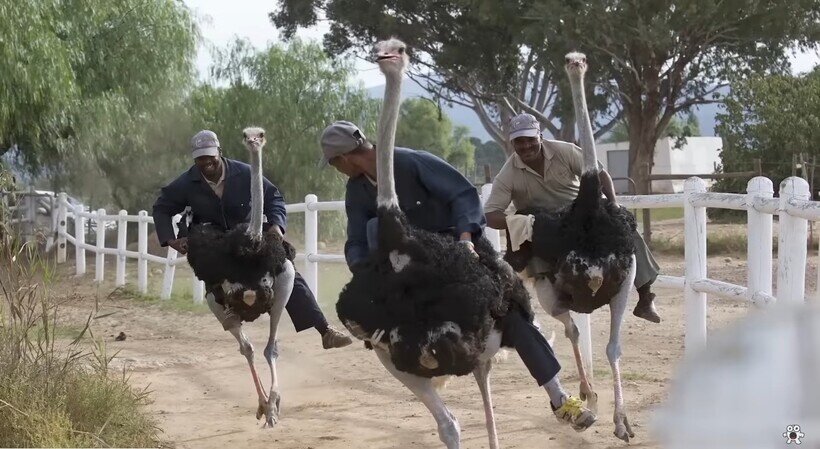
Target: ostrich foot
(588,395)
(272,409)
(622,428)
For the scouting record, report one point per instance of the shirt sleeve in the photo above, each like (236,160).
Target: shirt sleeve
(356,248)
(170,202)
(500,195)
(445,182)
(275,206)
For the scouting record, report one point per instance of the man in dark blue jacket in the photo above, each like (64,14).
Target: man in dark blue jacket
(435,197)
(217,190)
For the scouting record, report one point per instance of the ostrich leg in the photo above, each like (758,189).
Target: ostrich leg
(282,288)
(617,308)
(245,348)
(548,298)
(448,430)
(482,377)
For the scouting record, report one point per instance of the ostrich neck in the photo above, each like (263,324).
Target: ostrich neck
(257,194)
(585,136)
(388,120)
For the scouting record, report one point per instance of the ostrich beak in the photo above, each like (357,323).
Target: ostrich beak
(595,284)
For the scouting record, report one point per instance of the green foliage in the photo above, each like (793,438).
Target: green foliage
(770,118)
(488,153)
(82,78)
(423,126)
(676,128)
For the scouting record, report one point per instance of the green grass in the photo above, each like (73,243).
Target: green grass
(655,215)
(180,300)
(54,394)
(724,244)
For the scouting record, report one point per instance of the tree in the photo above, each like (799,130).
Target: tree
(769,118)
(75,73)
(482,55)
(676,128)
(669,55)
(654,59)
(423,126)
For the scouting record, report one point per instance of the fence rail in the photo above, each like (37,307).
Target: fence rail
(792,207)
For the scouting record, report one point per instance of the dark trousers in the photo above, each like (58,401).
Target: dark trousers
(302,307)
(534,350)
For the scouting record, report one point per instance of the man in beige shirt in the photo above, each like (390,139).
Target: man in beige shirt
(545,173)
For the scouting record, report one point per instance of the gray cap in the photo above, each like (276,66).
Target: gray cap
(524,125)
(340,137)
(204,143)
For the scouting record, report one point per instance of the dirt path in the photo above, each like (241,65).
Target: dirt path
(343,398)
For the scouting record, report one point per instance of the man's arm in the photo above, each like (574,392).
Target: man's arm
(171,201)
(275,207)
(500,198)
(445,182)
(356,247)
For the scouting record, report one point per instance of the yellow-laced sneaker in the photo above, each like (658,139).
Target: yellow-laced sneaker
(573,412)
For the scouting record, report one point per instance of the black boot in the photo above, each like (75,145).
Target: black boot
(646,305)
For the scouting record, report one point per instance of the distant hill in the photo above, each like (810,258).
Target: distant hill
(466,117)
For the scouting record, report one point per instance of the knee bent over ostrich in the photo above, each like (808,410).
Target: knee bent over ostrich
(426,304)
(589,254)
(248,273)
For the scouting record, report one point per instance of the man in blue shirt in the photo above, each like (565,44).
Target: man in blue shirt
(435,197)
(217,190)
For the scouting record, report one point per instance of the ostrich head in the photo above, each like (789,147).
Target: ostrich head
(575,64)
(391,55)
(253,138)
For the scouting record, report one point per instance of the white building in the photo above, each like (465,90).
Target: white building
(699,155)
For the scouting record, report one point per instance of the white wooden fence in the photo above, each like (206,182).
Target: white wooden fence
(792,207)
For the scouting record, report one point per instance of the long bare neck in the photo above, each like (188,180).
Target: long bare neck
(388,120)
(257,195)
(585,136)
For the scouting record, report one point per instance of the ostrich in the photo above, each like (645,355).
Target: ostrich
(426,304)
(589,251)
(248,273)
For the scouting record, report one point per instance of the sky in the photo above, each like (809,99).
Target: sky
(221,21)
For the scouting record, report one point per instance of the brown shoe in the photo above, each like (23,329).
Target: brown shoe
(335,339)
(646,308)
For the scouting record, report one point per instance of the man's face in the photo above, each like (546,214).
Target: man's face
(345,164)
(527,148)
(210,166)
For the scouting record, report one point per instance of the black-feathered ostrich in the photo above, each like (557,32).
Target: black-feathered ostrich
(248,273)
(426,304)
(589,251)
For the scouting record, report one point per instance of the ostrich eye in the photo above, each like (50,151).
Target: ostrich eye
(244,136)
(566,60)
(401,50)
(261,134)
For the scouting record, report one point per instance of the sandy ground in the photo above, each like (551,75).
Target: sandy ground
(343,398)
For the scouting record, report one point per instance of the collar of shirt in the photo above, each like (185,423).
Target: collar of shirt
(221,177)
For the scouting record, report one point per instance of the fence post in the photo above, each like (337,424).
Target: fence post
(791,248)
(493,235)
(122,241)
(695,260)
(142,247)
(198,290)
(62,215)
(759,238)
(30,221)
(170,268)
(99,256)
(311,273)
(79,238)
